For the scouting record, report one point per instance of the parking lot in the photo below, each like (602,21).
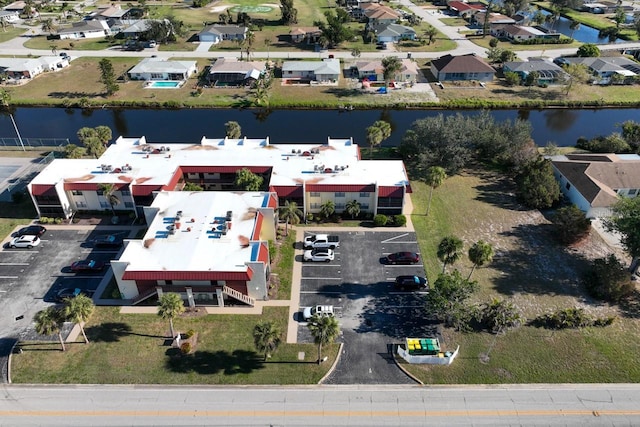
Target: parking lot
(372,314)
(30,278)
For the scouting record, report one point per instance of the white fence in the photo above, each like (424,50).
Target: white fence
(439,359)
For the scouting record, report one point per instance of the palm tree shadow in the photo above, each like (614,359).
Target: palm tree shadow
(209,363)
(108,332)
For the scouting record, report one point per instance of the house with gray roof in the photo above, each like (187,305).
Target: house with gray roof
(595,182)
(162,69)
(604,67)
(136,28)
(231,72)
(393,33)
(327,70)
(548,72)
(217,33)
(373,70)
(463,67)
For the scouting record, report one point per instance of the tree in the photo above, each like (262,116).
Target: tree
(538,17)
(566,4)
(532,79)
(480,253)
(574,26)
(95,139)
(247,43)
(79,309)
(537,186)
(48,26)
(355,52)
(289,13)
(625,219)
(190,186)
(619,16)
(390,67)
(335,30)
(447,299)
(108,191)
(353,208)
(248,180)
(576,73)
(570,224)
(500,315)
(324,329)
(291,214)
(327,209)
(511,78)
(507,55)
(434,178)
(608,280)
(108,76)
(233,130)
(449,251)
(494,54)
(377,133)
(72,151)
(430,33)
(163,31)
(266,337)
(631,134)
(487,14)
(48,322)
(589,50)
(170,305)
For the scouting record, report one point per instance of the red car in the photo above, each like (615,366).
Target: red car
(87,265)
(402,258)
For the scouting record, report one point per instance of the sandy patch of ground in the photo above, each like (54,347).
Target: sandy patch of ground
(217,9)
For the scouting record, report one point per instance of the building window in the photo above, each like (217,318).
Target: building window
(81,205)
(128,204)
(364,194)
(125,192)
(568,186)
(364,206)
(314,194)
(314,206)
(339,194)
(340,206)
(76,193)
(168,282)
(633,191)
(100,192)
(104,205)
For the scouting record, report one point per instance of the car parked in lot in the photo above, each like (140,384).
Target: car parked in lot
(26,241)
(411,283)
(319,255)
(320,310)
(32,230)
(65,293)
(107,241)
(402,258)
(87,265)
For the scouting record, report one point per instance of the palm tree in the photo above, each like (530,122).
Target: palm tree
(434,179)
(48,322)
(291,214)
(353,208)
(574,26)
(170,305)
(327,209)
(247,43)
(376,133)
(390,67)
(48,25)
(108,191)
(449,251)
(266,337)
(233,129)
(431,33)
(79,309)
(324,330)
(480,253)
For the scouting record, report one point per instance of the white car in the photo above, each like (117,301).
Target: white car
(26,241)
(318,255)
(320,310)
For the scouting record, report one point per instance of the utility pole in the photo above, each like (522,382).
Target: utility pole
(17,131)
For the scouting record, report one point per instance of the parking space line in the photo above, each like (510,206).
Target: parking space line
(322,265)
(320,292)
(322,278)
(8,277)
(14,263)
(88,276)
(403,242)
(89,251)
(404,265)
(408,292)
(394,238)
(15,251)
(404,306)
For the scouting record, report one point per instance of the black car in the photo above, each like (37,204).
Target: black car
(402,258)
(107,241)
(411,283)
(65,293)
(32,230)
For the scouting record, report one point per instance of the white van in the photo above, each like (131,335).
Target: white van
(320,310)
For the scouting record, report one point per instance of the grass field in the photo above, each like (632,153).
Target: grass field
(131,349)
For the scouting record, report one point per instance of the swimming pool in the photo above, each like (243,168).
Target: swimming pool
(164,84)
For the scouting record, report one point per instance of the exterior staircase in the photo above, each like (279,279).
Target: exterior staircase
(238,295)
(143,296)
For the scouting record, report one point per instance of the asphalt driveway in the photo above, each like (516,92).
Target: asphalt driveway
(372,314)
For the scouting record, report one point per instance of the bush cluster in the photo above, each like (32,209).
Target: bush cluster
(608,280)
(570,318)
(47,220)
(543,41)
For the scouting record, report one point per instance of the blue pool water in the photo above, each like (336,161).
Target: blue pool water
(165,84)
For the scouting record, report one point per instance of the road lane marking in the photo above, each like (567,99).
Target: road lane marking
(394,238)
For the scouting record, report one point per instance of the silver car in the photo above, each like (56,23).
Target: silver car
(26,241)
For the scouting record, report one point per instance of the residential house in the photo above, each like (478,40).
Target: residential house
(605,67)
(231,72)
(85,30)
(136,28)
(210,247)
(111,12)
(21,68)
(548,72)
(465,10)
(308,35)
(373,71)
(216,33)
(327,70)
(595,182)
(520,33)
(463,67)
(393,33)
(16,6)
(495,21)
(377,14)
(162,69)
(9,16)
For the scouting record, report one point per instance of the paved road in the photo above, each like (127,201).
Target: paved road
(601,405)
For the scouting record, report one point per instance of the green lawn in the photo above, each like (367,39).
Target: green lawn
(131,349)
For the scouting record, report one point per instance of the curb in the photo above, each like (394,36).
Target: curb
(333,367)
(407,373)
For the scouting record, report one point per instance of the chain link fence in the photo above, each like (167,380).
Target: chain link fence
(35,142)
(27,173)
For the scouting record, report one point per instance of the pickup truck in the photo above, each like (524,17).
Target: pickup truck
(316,241)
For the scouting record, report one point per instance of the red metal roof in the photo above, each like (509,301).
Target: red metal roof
(390,192)
(144,190)
(223,169)
(174,180)
(263,254)
(288,190)
(344,188)
(255,235)
(43,190)
(188,275)
(273,201)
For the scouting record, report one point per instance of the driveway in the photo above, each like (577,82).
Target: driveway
(372,315)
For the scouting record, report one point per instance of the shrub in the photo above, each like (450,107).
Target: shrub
(570,318)
(499,315)
(190,333)
(608,280)
(493,42)
(399,220)
(571,224)
(380,220)
(57,220)
(185,347)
